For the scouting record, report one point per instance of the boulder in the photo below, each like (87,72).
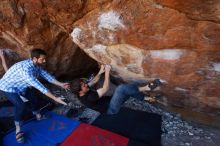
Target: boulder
(173,40)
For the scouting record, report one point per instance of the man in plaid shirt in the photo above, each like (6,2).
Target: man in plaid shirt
(19,80)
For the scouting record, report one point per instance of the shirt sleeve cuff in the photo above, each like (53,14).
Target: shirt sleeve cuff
(44,91)
(51,79)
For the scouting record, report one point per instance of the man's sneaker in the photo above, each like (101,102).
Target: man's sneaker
(154,84)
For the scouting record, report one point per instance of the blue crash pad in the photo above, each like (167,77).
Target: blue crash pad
(48,132)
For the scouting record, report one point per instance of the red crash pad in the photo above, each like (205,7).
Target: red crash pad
(87,135)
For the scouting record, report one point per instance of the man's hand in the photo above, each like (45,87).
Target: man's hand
(57,99)
(66,85)
(1,53)
(60,100)
(102,69)
(108,68)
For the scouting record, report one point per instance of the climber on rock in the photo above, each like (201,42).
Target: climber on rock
(90,97)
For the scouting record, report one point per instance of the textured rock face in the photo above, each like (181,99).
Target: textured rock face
(25,24)
(176,41)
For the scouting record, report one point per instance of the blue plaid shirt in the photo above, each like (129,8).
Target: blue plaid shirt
(22,75)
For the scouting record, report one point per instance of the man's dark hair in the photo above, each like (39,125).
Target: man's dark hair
(76,86)
(36,52)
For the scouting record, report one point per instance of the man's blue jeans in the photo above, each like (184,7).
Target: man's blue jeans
(121,94)
(15,99)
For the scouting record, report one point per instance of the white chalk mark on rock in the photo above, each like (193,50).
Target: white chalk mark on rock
(167,54)
(216,67)
(180,89)
(76,34)
(98,48)
(111,21)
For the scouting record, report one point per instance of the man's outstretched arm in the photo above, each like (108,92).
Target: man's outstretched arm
(97,77)
(61,84)
(57,99)
(2,56)
(32,81)
(105,88)
(52,79)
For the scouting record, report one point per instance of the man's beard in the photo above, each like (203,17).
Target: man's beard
(42,65)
